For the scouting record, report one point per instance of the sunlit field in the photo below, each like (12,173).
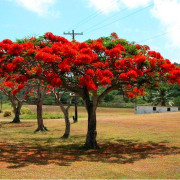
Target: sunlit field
(131,146)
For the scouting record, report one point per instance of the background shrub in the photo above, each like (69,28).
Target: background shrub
(25,110)
(7,113)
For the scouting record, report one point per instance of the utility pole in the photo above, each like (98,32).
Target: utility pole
(73,34)
(75,117)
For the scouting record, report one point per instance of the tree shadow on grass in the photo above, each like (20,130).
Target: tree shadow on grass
(121,151)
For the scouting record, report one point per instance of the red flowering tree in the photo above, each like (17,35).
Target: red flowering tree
(59,93)
(16,93)
(39,90)
(110,63)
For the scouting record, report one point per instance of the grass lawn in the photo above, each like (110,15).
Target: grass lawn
(132,146)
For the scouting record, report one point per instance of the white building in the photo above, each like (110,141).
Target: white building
(154,109)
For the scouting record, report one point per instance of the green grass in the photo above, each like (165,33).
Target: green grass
(131,146)
(46,116)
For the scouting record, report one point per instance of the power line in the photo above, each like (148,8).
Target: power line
(85,20)
(157,36)
(121,18)
(154,37)
(106,19)
(89,18)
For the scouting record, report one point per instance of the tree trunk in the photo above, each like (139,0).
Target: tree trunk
(91,142)
(75,117)
(17,111)
(40,122)
(67,122)
(66,115)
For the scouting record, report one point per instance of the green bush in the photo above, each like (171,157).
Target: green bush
(177,101)
(25,110)
(7,113)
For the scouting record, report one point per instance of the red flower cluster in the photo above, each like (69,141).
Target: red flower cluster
(90,72)
(155,54)
(139,59)
(114,35)
(53,79)
(47,57)
(15,49)
(18,60)
(11,67)
(50,36)
(120,47)
(9,84)
(83,59)
(135,92)
(87,81)
(115,53)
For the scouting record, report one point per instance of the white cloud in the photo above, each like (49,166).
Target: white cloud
(41,7)
(168,12)
(105,6)
(135,3)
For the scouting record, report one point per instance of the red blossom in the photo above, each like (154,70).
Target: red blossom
(123,76)
(64,67)
(21,79)
(131,95)
(15,91)
(9,84)
(15,49)
(105,81)
(153,62)
(83,59)
(114,35)
(107,73)
(47,57)
(17,60)
(120,47)
(139,59)
(7,41)
(21,86)
(90,72)
(11,67)
(98,47)
(49,35)
(87,82)
(155,54)
(132,74)
(82,46)
(115,53)
(138,46)
(30,52)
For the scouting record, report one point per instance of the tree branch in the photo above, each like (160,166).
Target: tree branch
(108,90)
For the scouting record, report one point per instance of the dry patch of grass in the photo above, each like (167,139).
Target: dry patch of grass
(132,146)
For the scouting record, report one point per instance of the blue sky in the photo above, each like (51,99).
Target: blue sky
(152,22)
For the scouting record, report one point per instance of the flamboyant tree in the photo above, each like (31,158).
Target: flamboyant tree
(110,63)
(16,93)
(39,89)
(58,93)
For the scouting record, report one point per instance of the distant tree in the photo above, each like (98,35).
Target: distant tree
(16,92)
(162,96)
(39,90)
(59,93)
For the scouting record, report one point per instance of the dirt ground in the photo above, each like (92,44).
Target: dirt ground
(131,146)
